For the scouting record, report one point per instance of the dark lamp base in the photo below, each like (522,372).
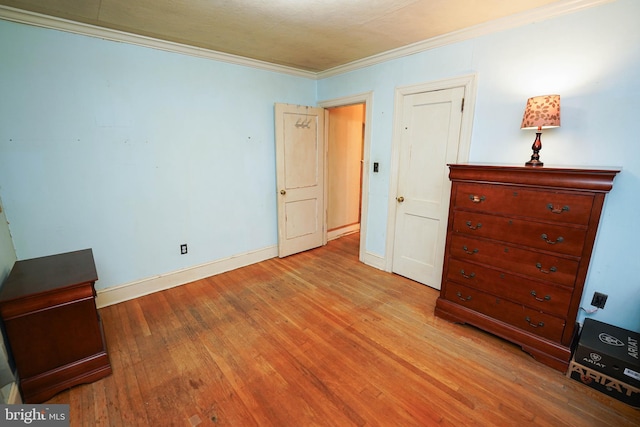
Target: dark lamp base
(536,147)
(534,163)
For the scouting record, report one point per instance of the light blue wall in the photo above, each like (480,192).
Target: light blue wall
(592,59)
(133,151)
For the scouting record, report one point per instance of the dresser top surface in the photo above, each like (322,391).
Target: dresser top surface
(540,169)
(594,179)
(49,273)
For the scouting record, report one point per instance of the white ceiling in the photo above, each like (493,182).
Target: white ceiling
(309,35)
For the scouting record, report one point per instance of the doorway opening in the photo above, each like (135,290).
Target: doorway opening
(347,168)
(345,149)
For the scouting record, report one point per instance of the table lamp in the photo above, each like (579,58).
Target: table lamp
(542,112)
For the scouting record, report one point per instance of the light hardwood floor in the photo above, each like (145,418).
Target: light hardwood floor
(319,339)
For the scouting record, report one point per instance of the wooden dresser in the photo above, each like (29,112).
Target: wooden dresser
(52,325)
(519,241)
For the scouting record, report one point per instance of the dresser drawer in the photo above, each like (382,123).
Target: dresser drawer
(550,237)
(524,318)
(547,205)
(539,265)
(537,295)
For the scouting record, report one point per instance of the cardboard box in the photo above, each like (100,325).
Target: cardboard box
(610,350)
(605,384)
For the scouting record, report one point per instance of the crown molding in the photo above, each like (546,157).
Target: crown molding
(535,15)
(539,14)
(45,21)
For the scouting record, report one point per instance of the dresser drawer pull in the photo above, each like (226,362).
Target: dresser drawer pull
(473,227)
(459,295)
(552,242)
(467,251)
(528,320)
(557,210)
(467,276)
(477,199)
(542,270)
(546,297)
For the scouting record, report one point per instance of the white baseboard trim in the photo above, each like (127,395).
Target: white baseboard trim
(129,291)
(343,231)
(373,260)
(139,288)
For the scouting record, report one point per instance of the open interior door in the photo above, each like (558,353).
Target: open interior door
(300,158)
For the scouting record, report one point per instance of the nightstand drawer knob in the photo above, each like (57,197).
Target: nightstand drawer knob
(546,297)
(557,210)
(477,199)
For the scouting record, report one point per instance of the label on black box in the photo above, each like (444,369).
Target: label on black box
(633,374)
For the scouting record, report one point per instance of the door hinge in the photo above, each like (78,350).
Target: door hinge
(462,106)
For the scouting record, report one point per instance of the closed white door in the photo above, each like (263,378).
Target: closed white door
(300,177)
(429,140)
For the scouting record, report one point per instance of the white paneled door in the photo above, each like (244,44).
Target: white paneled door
(429,139)
(300,177)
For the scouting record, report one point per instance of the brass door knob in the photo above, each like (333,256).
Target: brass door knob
(400,199)
(283,192)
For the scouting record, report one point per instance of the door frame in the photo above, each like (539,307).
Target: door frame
(468,82)
(365,98)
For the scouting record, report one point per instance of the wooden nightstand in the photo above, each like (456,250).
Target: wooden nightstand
(52,325)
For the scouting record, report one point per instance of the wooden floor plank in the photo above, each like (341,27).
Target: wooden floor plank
(319,339)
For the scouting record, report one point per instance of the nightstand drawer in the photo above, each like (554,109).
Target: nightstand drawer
(526,319)
(537,295)
(539,235)
(547,205)
(539,265)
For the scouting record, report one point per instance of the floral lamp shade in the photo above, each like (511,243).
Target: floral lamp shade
(542,112)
